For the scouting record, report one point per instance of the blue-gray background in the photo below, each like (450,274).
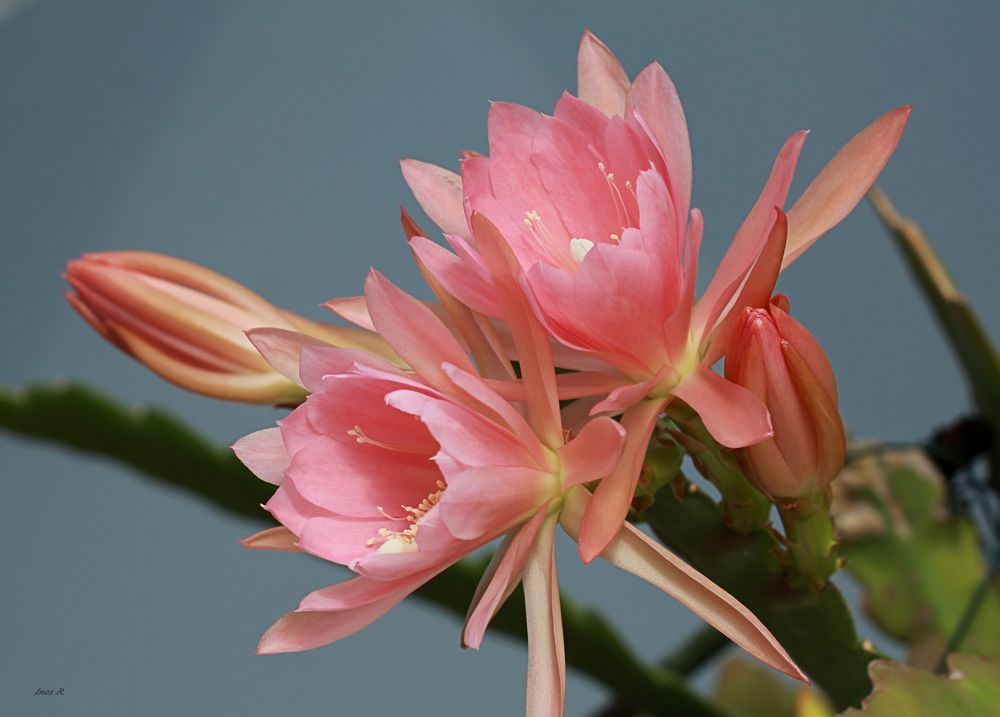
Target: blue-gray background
(261,139)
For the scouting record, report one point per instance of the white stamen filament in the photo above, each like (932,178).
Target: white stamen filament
(621,209)
(361,437)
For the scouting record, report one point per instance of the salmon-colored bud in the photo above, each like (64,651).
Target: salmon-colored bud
(774,357)
(187,323)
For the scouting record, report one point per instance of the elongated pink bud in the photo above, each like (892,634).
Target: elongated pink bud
(783,365)
(186,323)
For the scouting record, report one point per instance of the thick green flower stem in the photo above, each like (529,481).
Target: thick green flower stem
(810,541)
(744,508)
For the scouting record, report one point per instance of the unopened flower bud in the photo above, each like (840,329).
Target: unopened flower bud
(782,364)
(186,323)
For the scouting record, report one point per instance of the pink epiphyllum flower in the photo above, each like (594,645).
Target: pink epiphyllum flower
(187,324)
(595,205)
(398,474)
(781,363)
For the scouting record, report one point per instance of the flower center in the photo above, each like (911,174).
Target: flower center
(405,540)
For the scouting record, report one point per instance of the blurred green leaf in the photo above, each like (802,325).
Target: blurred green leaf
(918,564)
(972,690)
(815,627)
(748,689)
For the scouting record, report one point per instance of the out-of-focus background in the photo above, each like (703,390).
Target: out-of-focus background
(261,139)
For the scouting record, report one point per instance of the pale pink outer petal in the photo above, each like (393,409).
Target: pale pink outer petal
(842,183)
(282,348)
(732,414)
(546,651)
(263,452)
(439,193)
(413,331)
(752,234)
(298,631)
(593,453)
(635,552)
(613,496)
(654,98)
(278,538)
(353,309)
(501,578)
(351,606)
(601,79)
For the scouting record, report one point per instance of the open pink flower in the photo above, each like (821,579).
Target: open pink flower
(594,203)
(398,474)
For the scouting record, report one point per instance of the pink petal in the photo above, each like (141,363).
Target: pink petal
(279,538)
(752,234)
(678,327)
(613,496)
(654,97)
(842,183)
(466,437)
(484,502)
(755,292)
(731,413)
(343,540)
(349,607)
(584,117)
(413,331)
(466,280)
(546,652)
(356,592)
(530,339)
(625,395)
(808,348)
(621,293)
(570,171)
(636,553)
(263,452)
(475,178)
(298,631)
(282,348)
(439,193)
(500,579)
(353,309)
(350,479)
(601,79)
(479,390)
(579,384)
(316,362)
(593,453)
